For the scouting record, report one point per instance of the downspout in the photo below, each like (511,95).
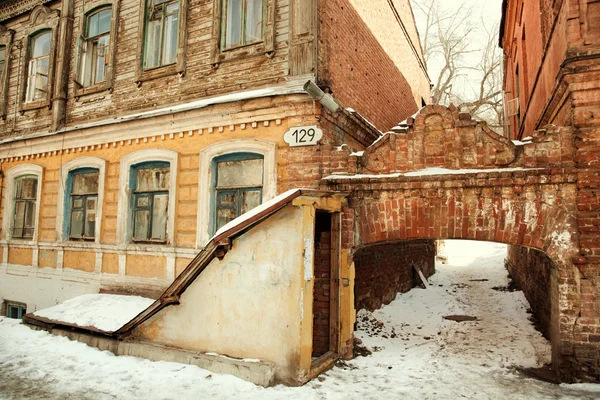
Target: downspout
(59,101)
(325,99)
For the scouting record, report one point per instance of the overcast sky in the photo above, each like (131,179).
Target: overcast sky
(485,12)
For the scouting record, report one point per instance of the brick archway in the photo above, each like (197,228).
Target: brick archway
(442,175)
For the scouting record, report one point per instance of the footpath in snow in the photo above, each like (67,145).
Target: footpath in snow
(416,354)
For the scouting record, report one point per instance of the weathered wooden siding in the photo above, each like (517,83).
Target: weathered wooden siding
(201,79)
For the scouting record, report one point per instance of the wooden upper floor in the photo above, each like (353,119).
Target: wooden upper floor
(66,63)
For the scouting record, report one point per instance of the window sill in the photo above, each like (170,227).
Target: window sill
(34,105)
(92,89)
(238,53)
(159,72)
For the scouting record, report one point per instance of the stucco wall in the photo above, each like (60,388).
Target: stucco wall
(248,305)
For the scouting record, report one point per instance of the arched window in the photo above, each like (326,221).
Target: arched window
(38,66)
(150,183)
(93,47)
(82,191)
(25,200)
(238,186)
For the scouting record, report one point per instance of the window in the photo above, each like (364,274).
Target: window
(15,311)
(38,67)
(93,48)
(2,60)
(83,204)
(225,151)
(238,186)
(243,22)
(25,207)
(6,37)
(150,201)
(23,189)
(162,33)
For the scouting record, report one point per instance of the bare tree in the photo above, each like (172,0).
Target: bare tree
(468,71)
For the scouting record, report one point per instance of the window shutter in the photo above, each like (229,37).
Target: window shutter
(80,47)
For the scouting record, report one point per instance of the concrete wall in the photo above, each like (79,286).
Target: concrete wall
(386,269)
(250,304)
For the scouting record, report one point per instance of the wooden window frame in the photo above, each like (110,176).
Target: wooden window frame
(8,220)
(9,303)
(40,19)
(265,47)
(151,196)
(85,196)
(62,212)
(216,190)
(179,66)
(124,212)
(107,84)
(6,40)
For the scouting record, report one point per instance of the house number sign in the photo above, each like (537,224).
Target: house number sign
(303,136)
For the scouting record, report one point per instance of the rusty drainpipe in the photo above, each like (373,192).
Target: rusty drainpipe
(59,100)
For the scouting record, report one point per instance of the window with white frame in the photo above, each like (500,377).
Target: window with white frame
(150,201)
(38,66)
(242,22)
(25,199)
(93,47)
(238,186)
(161,33)
(83,203)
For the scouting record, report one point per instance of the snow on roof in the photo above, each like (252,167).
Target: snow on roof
(107,312)
(428,172)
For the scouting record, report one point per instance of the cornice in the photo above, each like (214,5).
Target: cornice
(13,8)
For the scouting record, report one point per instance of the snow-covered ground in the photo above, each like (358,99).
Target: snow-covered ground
(416,353)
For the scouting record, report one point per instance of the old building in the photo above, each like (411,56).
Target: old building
(552,82)
(132,130)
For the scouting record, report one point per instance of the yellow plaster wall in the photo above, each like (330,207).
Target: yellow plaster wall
(146,266)
(47,258)
(79,260)
(180,264)
(110,263)
(20,256)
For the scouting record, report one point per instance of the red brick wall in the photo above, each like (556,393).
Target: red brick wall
(368,62)
(531,270)
(383,270)
(321,307)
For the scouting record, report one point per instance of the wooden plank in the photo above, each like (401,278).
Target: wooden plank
(423,279)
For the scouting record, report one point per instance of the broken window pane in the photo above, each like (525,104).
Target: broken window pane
(76,223)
